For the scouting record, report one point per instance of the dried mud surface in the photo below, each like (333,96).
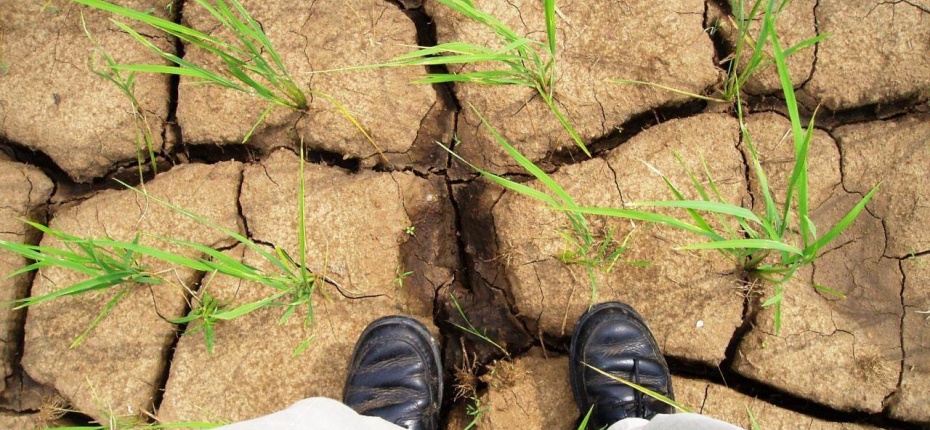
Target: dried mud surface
(51,102)
(119,367)
(406,233)
(311,37)
(587,58)
(691,300)
(26,190)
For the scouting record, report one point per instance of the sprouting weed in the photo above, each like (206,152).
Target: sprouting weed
(251,64)
(519,61)
(476,411)
(400,276)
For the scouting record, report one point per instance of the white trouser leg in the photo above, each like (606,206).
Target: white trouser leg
(673,422)
(317,413)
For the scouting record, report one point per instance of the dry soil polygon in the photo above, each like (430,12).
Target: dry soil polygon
(690,299)
(722,403)
(51,101)
(119,367)
(316,36)
(345,210)
(357,235)
(25,191)
(597,41)
(878,51)
(894,153)
(910,402)
(844,353)
(533,392)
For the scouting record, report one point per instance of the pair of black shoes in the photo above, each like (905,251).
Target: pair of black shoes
(396,372)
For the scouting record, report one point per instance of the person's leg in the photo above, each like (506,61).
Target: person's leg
(673,422)
(317,413)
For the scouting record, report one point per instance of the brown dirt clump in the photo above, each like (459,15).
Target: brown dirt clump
(313,36)
(894,153)
(25,191)
(596,42)
(533,392)
(690,299)
(910,402)
(357,237)
(878,51)
(117,370)
(51,101)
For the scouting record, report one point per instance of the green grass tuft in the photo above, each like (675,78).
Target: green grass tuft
(764,244)
(597,256)
(519,61)
(250,63)
(116,265)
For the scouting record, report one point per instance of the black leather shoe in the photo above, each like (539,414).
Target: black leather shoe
(396,374)
(614,338)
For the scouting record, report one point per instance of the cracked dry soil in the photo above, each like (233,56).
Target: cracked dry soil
(862,362)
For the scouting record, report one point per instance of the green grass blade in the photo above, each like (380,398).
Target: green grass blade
(811,251)
(481,78)
(261,119)
(93,284)
(745,244)
(238,237)
(507,183)
(753,425)
(660,397)
(103,314)
(642,216)
(549,6)
(154,21)
(669,89)
(302,219)
(491,22)
(162,255)
(587,416)
(830,291)
(771,209)
(565,122)
(702,205)
(524,162)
